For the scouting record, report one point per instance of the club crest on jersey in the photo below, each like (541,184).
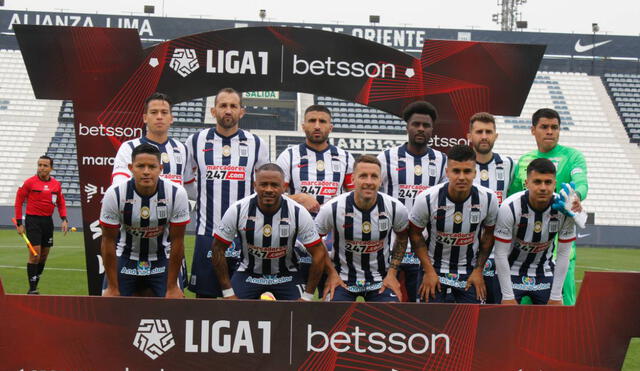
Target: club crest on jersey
(145,212)
(417,170)
(484,174)
(554,226)
(457,217)
(366,227)
(320,165)
(474,217)
(537,227)
(266,230)
(162,212)
(226,151)
(164,157)
(383,224)
(284,230)
(499,173)
(432,169)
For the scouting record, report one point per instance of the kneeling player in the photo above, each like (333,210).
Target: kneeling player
(151,215)
(268,224)
(362,221)
(525,240)
(460,218)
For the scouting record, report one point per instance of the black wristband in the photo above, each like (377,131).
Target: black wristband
(64,219)
(18,222)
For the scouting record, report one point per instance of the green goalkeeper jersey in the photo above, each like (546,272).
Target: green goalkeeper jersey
(570,166)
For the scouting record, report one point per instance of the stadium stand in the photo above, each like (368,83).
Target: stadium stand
(26,125)
(354,117)
(624,89)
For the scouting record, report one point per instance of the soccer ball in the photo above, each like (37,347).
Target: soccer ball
(267,296)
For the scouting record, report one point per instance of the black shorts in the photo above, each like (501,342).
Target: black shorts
(39,230)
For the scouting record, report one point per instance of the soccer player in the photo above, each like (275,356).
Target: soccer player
(225,159)
(362,220)
(459,217)
(42,193)
(410,169)
(269,225)
(173,154)
(149,215)
(494,172)
(315,171)
(571,166)
(525,236)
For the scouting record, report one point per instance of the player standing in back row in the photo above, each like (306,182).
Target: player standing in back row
(225,159)
(315,172)
(410,169)
(494,172)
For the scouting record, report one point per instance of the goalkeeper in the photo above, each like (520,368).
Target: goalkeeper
(571,167)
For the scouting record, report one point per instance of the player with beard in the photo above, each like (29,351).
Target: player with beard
(315,172)
(410,169)
(494,172)
(225,159)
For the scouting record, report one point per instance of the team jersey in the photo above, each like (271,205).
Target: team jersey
(532,235)
(405,175)
(225,168)
(495,175)
(173,158)
(361,237)
(42,197)
(320,174)
(144,220)
(570,163)
(454,228)
(267,239)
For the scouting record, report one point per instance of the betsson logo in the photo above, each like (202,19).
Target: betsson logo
(331,67)
(109,131)
(376,342)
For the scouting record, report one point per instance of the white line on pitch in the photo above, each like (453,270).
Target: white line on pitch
(607,269)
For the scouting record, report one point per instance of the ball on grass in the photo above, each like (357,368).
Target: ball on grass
(73,229)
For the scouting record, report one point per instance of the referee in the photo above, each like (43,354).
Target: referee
(42,193)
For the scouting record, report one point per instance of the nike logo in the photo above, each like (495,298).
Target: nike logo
(393,295)
(583,48)
(580,235)
(303,165)
(207,149)
(400,168)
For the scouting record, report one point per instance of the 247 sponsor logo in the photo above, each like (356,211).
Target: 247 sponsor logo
(319,188)
(219,172)
(267,252)
(364,247)
(410,190)
(455,239)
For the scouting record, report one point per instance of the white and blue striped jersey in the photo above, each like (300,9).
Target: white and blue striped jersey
(225,168)
(267,239)
(144,220)
(321,174)
(454,227)
(496,175)
(173,158)
(361,237)
(531,234)
(405,175)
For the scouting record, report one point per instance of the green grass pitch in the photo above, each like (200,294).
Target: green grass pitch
(65,270)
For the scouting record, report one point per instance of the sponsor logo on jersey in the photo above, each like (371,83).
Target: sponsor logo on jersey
(455,239)
(319,187)
(271,252)
(532,247)
(226,172)
(364,247)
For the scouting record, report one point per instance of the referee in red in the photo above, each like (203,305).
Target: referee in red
(42,193)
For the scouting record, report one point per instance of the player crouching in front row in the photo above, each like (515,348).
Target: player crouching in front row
(151,215)
(268,223)
(525,240)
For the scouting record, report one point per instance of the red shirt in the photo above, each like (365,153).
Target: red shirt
(42,197)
